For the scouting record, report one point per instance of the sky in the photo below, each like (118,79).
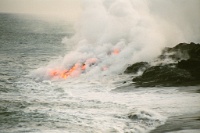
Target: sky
(69,9)
(181,14)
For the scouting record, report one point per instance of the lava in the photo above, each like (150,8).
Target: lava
(116,51)
(79,67)
(64,74)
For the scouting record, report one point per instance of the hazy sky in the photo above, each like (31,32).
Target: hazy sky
(60,8)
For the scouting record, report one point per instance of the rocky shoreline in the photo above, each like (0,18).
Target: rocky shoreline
(177,66)
(189,123)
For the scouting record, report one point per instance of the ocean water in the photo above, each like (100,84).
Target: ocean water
(79,104)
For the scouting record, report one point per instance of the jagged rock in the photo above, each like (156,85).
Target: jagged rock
(139,66)
(182,51)
(192,66)
(184,71)
(163,76)
(192,49)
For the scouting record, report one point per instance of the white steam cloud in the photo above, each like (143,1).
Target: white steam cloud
(137,29)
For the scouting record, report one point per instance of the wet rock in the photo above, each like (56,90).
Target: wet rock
(184,71)
(192,49)
(187,123)
(182,51)
(192,66)
(139,66)
(163,76)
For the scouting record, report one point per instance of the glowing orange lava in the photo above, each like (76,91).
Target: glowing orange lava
(83,67)
(64,74)
(79,67)
(104,68)
(54,72)
(116,51)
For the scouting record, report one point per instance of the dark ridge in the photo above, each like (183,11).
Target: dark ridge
(139,66)
(185,71)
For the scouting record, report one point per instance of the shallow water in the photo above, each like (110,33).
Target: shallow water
(80,104)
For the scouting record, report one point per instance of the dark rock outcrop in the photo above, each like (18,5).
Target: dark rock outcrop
(139,66)
(192,66)
(163,76)
(184,71)
(182,51)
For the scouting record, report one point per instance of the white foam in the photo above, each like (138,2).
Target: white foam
(86,101)
(186,131)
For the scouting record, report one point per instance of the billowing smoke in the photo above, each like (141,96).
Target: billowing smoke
(115,33)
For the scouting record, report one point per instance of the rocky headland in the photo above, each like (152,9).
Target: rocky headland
(177,66)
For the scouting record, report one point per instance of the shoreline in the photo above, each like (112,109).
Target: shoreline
(133,87)
(180,124)
(185,123)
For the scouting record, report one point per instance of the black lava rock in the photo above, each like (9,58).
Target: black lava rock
(185,71)
(163,76)
(139,66)
(192,66)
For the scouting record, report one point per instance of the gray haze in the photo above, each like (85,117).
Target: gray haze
(181,14)
(68,9)
(174,16)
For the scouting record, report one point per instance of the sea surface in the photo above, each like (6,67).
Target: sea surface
(80,104)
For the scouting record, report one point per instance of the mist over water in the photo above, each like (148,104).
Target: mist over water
(137,29)
(94,95)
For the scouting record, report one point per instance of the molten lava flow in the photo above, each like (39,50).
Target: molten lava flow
(83,67)
(64,74)
(79,68)
(54,72)
(116,51)
(67,73)
(58,73)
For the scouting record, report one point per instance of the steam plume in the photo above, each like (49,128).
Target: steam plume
(139,29)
